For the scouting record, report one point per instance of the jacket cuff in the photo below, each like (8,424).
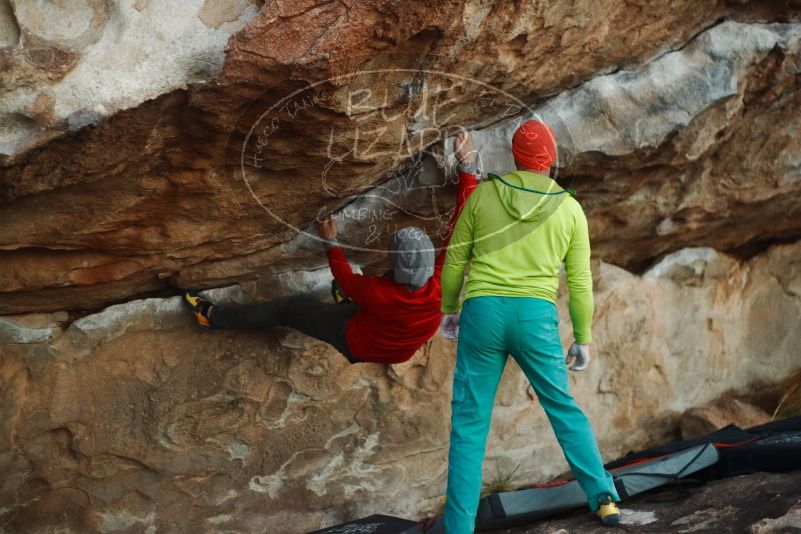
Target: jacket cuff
(450,309)
(585,339)
(328,244)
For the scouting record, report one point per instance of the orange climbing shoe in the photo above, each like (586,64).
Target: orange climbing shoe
(608,512)
(200,307)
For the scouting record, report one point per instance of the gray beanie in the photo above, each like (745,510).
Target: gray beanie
(412,255)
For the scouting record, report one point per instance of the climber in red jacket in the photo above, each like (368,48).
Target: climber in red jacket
(390,316)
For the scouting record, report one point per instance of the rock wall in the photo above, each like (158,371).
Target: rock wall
(146,145)
(204,186)
(67,65)
(134,418)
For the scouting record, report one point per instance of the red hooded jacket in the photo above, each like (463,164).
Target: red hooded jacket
(393,321)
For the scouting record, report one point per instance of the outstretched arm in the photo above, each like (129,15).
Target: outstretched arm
(356,286)
(466,154)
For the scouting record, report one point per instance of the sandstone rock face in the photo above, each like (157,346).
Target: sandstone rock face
(317,104)
(698,129)
(133,418)
(144,147)
(705,419)
(69,64)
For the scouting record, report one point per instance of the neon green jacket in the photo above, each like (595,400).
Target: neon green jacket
(516,239)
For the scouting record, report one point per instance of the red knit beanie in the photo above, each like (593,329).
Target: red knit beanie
(534,146)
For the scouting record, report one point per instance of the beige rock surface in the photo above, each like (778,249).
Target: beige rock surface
(132,417)
(72,63)
(705,419)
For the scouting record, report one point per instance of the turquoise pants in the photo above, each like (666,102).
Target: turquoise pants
(527,328)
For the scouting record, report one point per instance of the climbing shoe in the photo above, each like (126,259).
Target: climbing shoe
(339,296)
(200,307)
(608,512)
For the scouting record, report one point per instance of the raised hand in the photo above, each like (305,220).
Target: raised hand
(465,148)
(328,228)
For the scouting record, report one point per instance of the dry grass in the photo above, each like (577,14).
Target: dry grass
(504,478)
(790,402)
(506,474)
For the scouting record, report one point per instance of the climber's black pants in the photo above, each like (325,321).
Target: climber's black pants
(320,320)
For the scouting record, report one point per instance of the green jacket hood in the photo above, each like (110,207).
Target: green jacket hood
(528,196)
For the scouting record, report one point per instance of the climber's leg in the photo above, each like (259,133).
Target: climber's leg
(324,321)
(321,320)
(480,359)
(538,350)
